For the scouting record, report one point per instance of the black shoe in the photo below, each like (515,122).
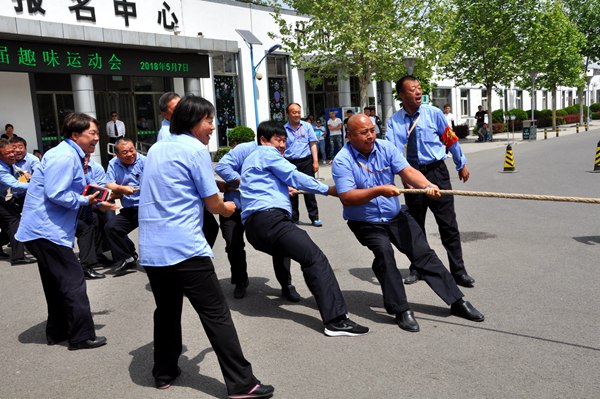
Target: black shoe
(88,344)
(259,391)
(345,327)
(412,278)
(406,321)
(3,255)
(56,340)
(164,384)
(91,274)
(290,294)
(465,310)
(240,290)
(125,267)
(464,280)
(22,261)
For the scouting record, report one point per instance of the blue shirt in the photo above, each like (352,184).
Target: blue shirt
(9,180)
(383,163)
(177,175)
(127,176)
(230,167)
(430,126)
(54,196)
(95,174)
(298,140)
(266,176)
(29,163)
(165,131)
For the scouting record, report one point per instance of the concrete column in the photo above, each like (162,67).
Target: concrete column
(83,98)
(387,103)
(344,91)
(192,86)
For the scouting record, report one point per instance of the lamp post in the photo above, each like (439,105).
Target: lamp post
(410,62)
(533,75)
(588,79)
(251,40)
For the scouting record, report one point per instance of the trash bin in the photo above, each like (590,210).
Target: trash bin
(529,130)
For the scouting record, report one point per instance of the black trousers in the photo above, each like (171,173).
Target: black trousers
(443,211)
(196,279)
(69,314)
(273,232)
(406,235)
(10,216)
(210,228)
(233,229)
(116,230)
(304,165)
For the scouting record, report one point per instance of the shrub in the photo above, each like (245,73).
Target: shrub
(560,120)
(221,151)
(499,127)
(561,112)
(545,113)
(595,107)
(518,113)
(239,134)
(572,110)
(571,118)
(595,115)
(461,131)
(498,116)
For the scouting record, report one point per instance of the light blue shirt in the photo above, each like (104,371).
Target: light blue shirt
(96,174)
(383,163)
(54,196)
(230,167)
(266,176)
(298,140)
(429,128)
(127,176)
(165,131)
(178,174)
(8,180)
(29,163)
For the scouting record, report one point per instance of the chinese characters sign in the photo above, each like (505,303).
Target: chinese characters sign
(48,58)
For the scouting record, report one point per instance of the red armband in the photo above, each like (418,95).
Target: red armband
(449,137)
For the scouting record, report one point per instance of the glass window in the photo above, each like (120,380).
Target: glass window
(441,97)
(519,99)
(227,105)
(464,102)
(224,64)
(278,86)
(484,100)
(52,82)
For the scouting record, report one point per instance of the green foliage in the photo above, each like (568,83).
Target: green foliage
(240,134)
(546,113)
(498,116)
(221,151)
(595,107)
(595,115)
(366,39)
(585,15)
(561,112)
(461,131)
(519,114)
(573,109)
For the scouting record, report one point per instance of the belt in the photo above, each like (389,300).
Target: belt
(299,160)
(429,166)
(249,218)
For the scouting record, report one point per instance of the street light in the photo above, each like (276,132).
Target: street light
(251,40)
(410,62)
(533,75)
(588,78)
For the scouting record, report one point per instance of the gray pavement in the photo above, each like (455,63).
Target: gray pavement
(536,266)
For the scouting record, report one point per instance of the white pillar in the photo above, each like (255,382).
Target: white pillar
(192,86)
(344,91)
(83,98)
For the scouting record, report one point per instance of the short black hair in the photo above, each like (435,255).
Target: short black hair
(122,140)
(4,143)
(287,109)
(165,99)
(17,139)
(77,123)
(114,113)
(189,112)
(268,129)
(400,82)
(8,125)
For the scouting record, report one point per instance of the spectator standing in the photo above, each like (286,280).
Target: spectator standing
(449,115)
(335,126)
(349,114)
(321,135)
(166,103)
(302,152)
(376,120)
(425,133)
(115,128)
(480,117)
(48,229)
(9,132)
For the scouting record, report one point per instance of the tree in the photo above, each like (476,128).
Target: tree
(553,47)
(488,36)
(364,38)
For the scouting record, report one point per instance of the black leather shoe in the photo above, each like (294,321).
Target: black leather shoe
(259,391)
(22,261)
(164,384)
(464,280)
(412,278)
(240,290)
(91,274)
(290,294)
(406,321)
(465,310)
(125,268)
(88,344)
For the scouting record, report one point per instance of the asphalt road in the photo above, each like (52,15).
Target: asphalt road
(536,267)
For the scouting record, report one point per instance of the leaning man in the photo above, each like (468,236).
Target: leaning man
(48,230)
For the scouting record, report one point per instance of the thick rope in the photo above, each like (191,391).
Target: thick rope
(488,194)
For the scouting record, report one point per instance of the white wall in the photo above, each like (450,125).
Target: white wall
(15,106)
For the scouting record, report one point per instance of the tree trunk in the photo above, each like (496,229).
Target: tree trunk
(363,85)
(554,94)
(489,87)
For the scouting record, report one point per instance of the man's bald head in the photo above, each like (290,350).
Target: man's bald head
(361,133)
(358,121)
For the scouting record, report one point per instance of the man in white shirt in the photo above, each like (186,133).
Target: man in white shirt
(115,128)
(335,133)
